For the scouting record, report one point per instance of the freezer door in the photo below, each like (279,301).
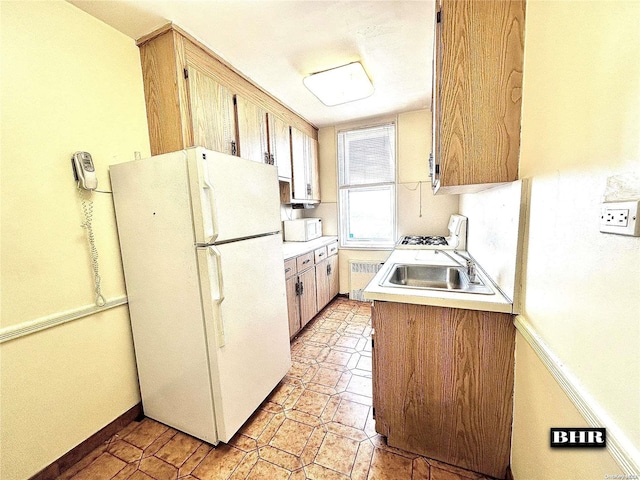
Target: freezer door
(232,197)
(244,301)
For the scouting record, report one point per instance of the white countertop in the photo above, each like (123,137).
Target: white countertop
(495,302)
(293,249)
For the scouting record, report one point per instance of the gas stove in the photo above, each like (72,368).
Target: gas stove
(457,238)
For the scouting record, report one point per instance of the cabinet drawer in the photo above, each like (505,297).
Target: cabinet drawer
(290,267)
(304,261)
(332,248)
(320,254)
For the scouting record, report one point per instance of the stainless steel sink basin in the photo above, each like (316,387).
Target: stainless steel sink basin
(433,277)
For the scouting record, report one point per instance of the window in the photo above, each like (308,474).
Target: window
(367,186)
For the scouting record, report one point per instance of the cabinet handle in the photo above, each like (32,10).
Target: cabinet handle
(234,150)
(308,189)
(287,270)
(431,169)
(321,254)
(301,288)
(306,261)
(272,158)
(329,269)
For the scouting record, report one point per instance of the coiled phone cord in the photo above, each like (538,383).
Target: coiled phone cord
(87,209)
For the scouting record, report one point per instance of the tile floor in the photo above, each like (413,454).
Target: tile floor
(316,424)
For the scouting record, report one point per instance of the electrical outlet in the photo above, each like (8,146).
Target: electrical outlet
(620,218)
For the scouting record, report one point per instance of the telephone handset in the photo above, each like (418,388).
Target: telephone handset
(84,171)
(85,174)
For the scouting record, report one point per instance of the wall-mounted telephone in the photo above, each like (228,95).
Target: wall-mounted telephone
(85,174)
(84,171)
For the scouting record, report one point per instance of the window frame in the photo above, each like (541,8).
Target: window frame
(343,223)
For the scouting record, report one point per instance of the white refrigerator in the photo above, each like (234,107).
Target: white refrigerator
(203,263)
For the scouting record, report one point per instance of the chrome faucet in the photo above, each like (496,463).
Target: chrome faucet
(469,264)
(471,271)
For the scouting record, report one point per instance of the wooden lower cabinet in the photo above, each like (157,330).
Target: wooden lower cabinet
(300,278)
(312,281)
(443,383)
(307,282)
(293,307)
(326,281)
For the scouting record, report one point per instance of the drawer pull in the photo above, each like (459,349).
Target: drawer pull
(287,270)
(306,261)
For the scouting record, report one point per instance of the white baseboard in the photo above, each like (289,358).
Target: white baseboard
(618,444)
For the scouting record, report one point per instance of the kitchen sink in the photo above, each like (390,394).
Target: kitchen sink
(433,277)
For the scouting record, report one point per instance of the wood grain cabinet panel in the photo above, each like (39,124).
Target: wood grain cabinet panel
(308,306)
(477,93)
(323,295)
(443,383)
(293,304)
(327,284)
(304,159)
(305,261)
(253,141)
(189,94)
(280,146)
(213,123)
(334,280)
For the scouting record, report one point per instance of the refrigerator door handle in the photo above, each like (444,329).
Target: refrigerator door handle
(216,286)
(210,192)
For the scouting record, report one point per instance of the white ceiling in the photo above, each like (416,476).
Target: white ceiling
(276,43)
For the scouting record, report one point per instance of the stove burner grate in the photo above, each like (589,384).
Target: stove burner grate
(422,240)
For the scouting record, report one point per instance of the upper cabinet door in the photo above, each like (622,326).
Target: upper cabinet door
(314,168)
(252,131)
(212,114)
(299,162)
(280,146)
(478,65)
(304,157)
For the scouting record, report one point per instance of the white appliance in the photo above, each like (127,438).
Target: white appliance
(203,264)
(456,240)
(302,229)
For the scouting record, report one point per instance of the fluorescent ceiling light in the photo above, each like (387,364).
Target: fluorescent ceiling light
(340,85)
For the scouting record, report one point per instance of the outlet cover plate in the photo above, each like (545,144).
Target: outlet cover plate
(620,218)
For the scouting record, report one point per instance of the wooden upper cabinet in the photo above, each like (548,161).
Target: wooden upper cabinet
(212,116)
(280,145)
(304,158)
(252,131)
(477,94)
(189,94)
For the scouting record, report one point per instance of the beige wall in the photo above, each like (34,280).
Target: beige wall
(541,405)
(419,211)
(69,82)
(581,118)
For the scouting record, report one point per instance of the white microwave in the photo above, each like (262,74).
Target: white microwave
(302,229)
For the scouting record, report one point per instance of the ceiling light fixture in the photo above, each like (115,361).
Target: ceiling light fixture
(340,85)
